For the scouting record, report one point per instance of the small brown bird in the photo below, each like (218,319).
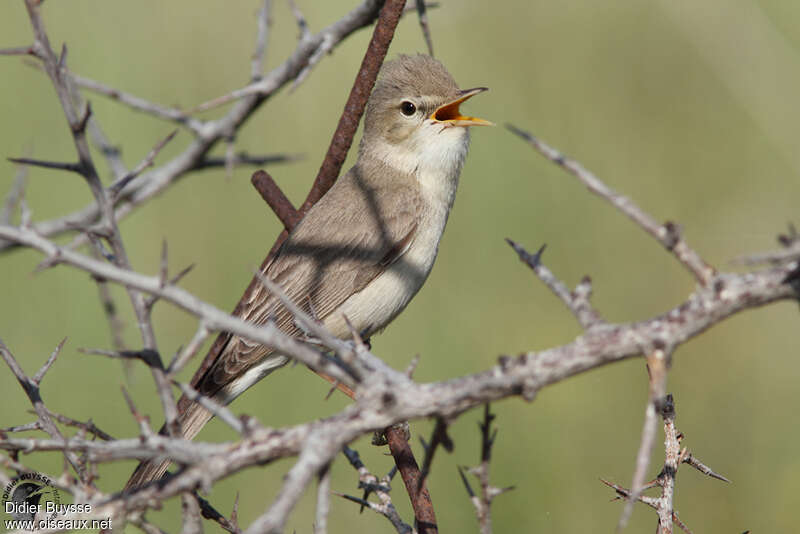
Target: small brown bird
(365,249)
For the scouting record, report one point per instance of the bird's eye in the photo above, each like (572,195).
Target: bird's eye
(408,108)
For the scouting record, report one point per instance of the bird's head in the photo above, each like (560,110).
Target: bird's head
(413,115)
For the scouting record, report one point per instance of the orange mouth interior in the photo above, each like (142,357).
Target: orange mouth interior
(450,114)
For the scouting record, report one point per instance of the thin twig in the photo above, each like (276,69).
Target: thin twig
(57,165)
(15,195)
(119,184)
(668,234)
(576,301)
(209,133)
(209,512)
(18,51)
(423,22)
(243,158)
(439,436)
(264,22)
(115,323)
(381,487)
(657,365)
(220,411)
(54,67)
(183,356)
(483,500)
(31,388)
(140,104)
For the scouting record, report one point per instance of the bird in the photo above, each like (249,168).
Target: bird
(365,249)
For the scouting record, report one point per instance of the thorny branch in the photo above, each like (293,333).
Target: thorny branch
(383,396)
(394,397)
(483,501)
(674,456)
(668,234)
(381,488)
(55,66)
(206,133)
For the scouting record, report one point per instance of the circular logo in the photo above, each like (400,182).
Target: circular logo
(29,494)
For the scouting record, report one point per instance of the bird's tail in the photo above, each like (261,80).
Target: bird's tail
(192,417)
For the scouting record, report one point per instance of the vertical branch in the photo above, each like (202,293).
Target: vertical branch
(672,449)
(356,102)
(423,23)
(328,173)
(323,501)
(412,477)
(657,365)
(264,22)
(55,66)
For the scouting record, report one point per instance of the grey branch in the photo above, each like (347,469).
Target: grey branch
(576,301)
(668,234)
(673,457)
(482,501)
(264,23)
(208,134)
(381,488)
(386,396)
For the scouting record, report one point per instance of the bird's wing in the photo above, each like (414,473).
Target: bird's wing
(329,256)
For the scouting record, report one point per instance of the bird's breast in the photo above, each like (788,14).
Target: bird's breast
(375,306)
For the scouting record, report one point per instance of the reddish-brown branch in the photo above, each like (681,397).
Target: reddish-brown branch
(412,478)
(273,196)
(327,175)
(356,102)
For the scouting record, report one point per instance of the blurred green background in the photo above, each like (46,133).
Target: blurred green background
(690,108)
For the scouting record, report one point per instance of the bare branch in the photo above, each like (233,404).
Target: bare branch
(153,360)
(243,158)
(424,514)
(118,185)
(276,200)
(423,22)
(192,522)
(703,468)
(55,68)
(88,426)
(220,411)
(657,364)
(577,302)
(109,307)
(668,234)
(183,356)
(19,51)
(210,133)
(483,501)
(790,242)
(139,104)
(439,436)
(209,512)
(37,378)
(302,25)
(381,487)
(674,456)
(15,195)
(57,165)
(323,501)
(31,388)
(264,22)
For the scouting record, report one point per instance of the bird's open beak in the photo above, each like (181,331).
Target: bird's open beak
(450,115)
